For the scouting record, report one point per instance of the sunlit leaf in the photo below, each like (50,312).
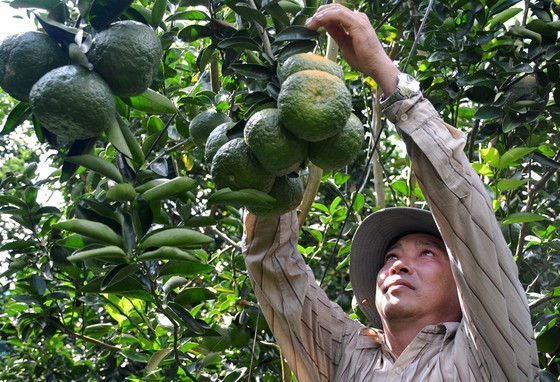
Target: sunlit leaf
(17,116)
(523,217)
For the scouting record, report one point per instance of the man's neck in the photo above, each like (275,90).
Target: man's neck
(398,337)
(398,334)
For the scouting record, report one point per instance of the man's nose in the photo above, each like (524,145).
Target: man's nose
(399,267)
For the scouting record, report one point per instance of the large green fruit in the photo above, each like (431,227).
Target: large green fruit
(314,105)
(127,56)
(279,151)
(26,57)
(73,103)
(236,167)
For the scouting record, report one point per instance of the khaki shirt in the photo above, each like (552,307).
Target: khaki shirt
(494,340)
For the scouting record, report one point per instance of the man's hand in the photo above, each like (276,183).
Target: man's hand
(358,42)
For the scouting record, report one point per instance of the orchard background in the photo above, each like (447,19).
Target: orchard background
(491,67)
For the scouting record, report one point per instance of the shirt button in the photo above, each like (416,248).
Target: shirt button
(404,117)
(399,370)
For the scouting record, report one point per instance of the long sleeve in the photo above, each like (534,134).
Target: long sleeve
(310,329)
(496,316)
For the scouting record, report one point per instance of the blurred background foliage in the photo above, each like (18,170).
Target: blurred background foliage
(490,67)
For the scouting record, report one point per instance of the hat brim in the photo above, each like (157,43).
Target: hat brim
(369,246)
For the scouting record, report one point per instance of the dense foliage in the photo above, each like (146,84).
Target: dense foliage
(492,67)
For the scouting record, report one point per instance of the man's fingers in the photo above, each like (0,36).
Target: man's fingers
(333,14)
(337,32)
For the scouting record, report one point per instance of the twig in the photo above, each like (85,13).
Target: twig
(530,198)
(541,301)
(225,237)
(262,33)
(92,340)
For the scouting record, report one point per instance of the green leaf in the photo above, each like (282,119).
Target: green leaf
(488,112)
(151,102)
(19,113)
(538,157)
(108,252)
(12,200)
(157,357)
(246,198)
(18,245)
(170,188)
(255,71)
(184,268)
(168,253)
(401,187)
(58,31)
(42,4)
(491,156)
(294,33)
(189,15)
(97,164)
(525,33)
(279,15)
(523,217)
(480,94)
(514,154)
(78,147)
(295,47)
(205,56)
(510,184)
(359,202)
(38,283)
(118,274)
(187,319)
(503,16)
(240,43)
(194,32)
(97,231)
(158,10)
(173,283)
(249,14)
(104,12)
(130,287)
(174,237)
(200,221)
(194,295)
(117,139)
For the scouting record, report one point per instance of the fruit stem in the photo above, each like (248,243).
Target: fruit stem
(313,183)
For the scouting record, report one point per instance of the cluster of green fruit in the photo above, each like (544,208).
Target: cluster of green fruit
(313,121)
(73,95)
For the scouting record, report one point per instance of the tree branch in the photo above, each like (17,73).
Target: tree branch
(530,198)
(262,33)
(92,340)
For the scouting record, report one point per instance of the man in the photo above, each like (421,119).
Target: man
(442,285)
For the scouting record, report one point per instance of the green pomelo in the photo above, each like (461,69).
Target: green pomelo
(288,192)
(204,123)
(278,150)
(73,103)
(314,105)
(127,55)
(308,61)
(24,59)
(217,138)
(236,167)
(338,151)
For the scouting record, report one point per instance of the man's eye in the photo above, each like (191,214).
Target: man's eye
(390,257)
(427,253)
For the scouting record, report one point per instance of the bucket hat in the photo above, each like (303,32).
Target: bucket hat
(369,246)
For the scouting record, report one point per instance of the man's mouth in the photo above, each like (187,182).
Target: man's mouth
(398,284)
